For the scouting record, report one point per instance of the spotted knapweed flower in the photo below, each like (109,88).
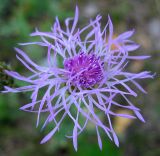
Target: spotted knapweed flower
(86,84)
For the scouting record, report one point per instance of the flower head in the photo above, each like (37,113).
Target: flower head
(90,78)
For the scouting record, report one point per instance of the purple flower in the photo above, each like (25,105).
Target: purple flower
(90,78)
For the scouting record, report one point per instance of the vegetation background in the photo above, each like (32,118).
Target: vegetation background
(18,134)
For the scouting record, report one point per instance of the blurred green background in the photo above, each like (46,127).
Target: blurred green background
(18,134)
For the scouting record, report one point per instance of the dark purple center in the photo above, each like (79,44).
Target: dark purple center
(86,70)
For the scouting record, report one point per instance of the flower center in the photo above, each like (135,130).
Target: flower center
(85,70)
